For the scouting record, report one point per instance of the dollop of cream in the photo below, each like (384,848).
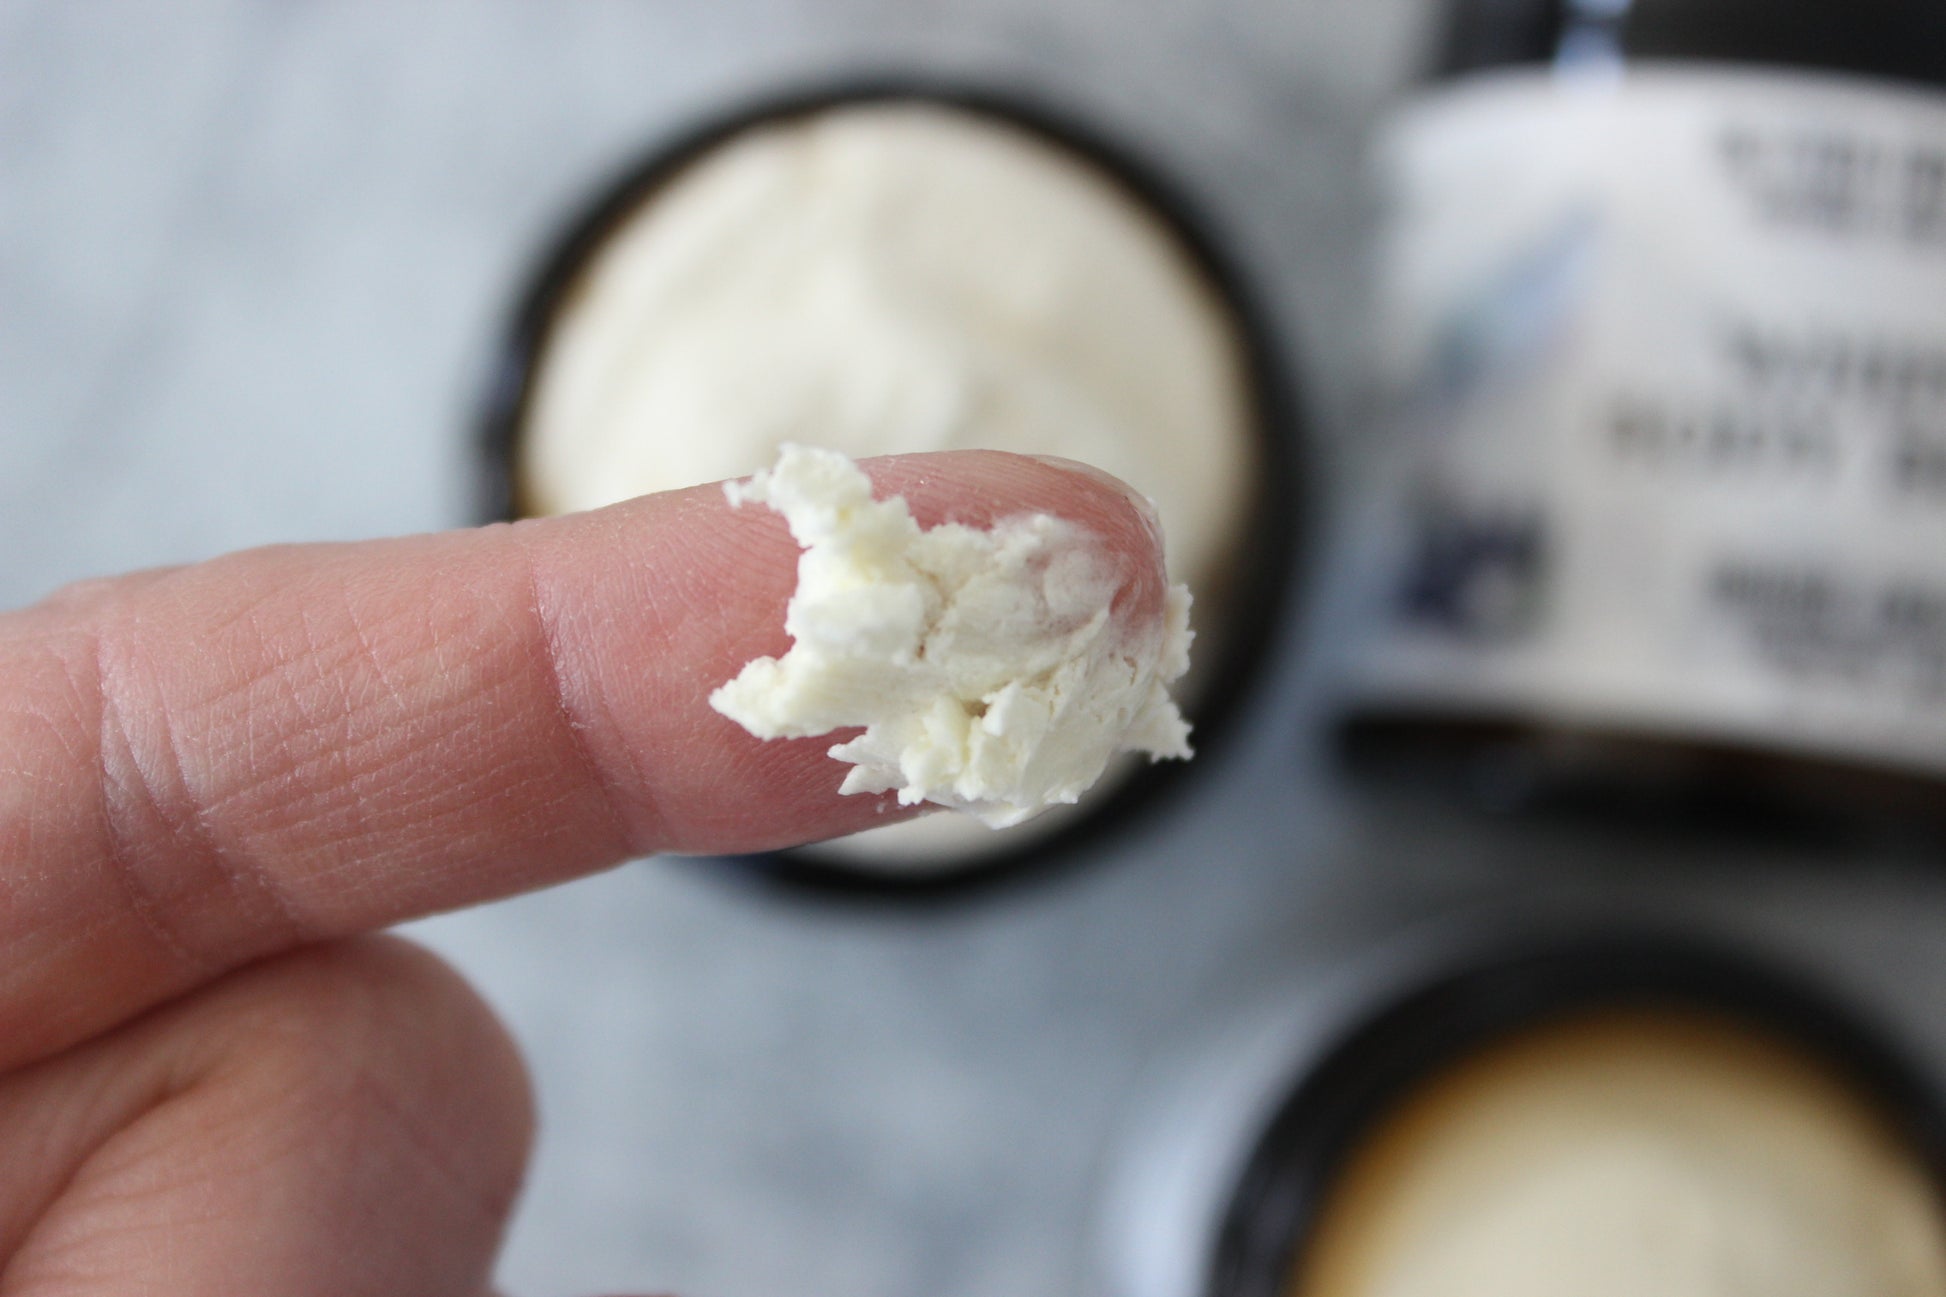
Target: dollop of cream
(990,668)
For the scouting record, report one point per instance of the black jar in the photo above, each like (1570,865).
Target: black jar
(1235,1161)
(1236,614)
(1661,346)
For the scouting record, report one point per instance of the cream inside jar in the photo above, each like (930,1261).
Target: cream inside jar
(897,275)
(1630,1152)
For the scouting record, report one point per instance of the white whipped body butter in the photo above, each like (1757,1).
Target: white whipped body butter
(990,668)
(887,277)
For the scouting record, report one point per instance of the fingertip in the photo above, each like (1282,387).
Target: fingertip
(717,600)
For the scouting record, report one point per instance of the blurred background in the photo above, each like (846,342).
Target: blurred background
(254,259)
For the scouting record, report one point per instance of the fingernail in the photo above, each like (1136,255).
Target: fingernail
(1143,504)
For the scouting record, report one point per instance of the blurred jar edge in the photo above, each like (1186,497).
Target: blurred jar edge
(1198,1199)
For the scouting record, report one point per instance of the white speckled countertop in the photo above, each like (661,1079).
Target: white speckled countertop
(252,258)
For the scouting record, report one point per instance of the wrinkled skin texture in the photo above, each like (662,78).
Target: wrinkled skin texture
(215,779)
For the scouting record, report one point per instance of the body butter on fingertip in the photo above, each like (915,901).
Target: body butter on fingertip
(989,667)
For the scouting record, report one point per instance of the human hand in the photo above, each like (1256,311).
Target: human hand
(213,779)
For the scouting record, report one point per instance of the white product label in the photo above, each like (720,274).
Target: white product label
(1669,350)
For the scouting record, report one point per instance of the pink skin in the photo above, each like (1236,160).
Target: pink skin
(213,778)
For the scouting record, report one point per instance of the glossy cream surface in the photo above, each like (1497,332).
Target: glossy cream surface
(1625,1155)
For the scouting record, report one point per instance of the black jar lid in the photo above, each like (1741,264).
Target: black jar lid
(1902,40)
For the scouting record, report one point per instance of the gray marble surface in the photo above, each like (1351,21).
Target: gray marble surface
(252,260)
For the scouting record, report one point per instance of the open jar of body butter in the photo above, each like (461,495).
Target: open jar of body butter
(892,269)
(1510,1108)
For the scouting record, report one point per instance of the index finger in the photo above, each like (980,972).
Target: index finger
(203,766)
